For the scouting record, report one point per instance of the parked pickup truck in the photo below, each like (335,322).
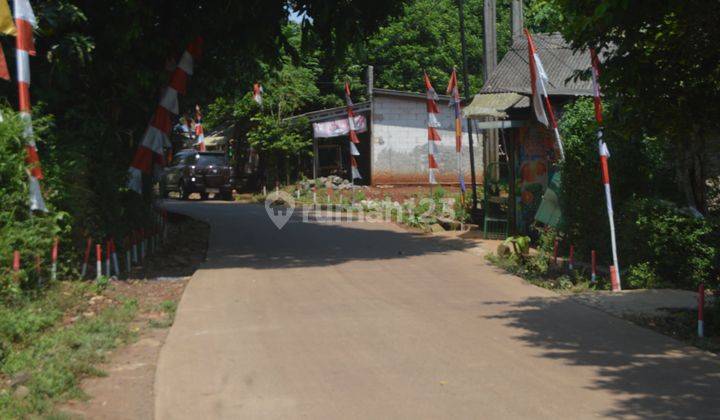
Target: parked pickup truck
(198,172)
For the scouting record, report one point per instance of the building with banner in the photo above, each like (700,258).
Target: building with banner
(392,128)
(522,181)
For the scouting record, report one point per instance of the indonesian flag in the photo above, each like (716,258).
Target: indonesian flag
(538,80)
(454,91)
(258,93)
(351,115)
(354,167)
(433,124)
(149,157)
(354,172)
(596,86)
(25,22)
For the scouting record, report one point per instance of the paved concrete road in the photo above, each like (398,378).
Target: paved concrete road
(345,321)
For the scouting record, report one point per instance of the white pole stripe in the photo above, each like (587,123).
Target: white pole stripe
(23,66)
(24,11)
(186,63)
(169,100)
(353,150)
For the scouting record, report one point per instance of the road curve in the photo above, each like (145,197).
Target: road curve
(366,321)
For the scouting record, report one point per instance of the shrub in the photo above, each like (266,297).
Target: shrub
(642,276)
(656,237)
(31,234)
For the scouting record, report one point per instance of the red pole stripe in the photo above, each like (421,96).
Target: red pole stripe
(16,261)
(24,97)
(24,40)
(98,252)
(605,170)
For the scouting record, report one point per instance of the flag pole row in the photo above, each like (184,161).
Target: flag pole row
(137,246)
(353,140)
(54,250)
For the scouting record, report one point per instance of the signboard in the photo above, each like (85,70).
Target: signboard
(339,127)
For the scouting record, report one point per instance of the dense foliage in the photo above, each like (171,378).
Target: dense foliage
(662,67)
(97,76)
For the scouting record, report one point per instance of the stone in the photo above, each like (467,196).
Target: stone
(503,251)
(449,224)
(21,392)
(19,378)
(436,228)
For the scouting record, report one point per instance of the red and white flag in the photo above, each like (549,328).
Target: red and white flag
(149,156)
(540,99)
(258,92)
(199,130)
(456,103)
(432,124)
(25,47)
(604,153)
(354,140)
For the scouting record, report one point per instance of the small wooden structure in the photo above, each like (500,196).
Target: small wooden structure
(521,162)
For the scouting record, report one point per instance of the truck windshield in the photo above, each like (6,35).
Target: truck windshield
(212,160)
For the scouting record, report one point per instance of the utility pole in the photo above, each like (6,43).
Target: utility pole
(489,37)
(517,18)
(490,63)
(468,96)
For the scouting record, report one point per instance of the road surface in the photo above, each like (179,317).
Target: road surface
(366,321)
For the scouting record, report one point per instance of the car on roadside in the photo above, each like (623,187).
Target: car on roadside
(198,172)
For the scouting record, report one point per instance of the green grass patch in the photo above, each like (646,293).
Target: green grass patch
(53,356)
(168,307)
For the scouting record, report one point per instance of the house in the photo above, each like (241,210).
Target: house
(392,128)
(523,166)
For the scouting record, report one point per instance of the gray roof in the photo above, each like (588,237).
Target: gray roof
(559,60)
(494,105)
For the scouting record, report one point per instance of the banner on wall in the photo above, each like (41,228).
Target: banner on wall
(339,127)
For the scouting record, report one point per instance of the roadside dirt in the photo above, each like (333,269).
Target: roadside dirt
(126,392)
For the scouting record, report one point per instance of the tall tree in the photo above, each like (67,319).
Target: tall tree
(662,66)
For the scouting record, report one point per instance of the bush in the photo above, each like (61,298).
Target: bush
(657,238)
(31,234)
(642,276)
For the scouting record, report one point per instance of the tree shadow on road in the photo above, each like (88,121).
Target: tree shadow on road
(302,244)
(652,375)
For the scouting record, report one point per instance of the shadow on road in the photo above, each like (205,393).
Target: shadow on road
(652,376)
(244,237)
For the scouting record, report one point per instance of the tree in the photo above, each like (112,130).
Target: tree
(662,66)
(425,37)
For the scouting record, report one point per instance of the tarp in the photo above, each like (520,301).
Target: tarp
(550,212)
(492,105)
(339,127)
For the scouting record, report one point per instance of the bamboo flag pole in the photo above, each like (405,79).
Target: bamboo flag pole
(604,155)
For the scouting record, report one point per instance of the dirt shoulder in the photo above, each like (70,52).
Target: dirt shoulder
(126,389)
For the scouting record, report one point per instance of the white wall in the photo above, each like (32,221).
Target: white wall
(400,145)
